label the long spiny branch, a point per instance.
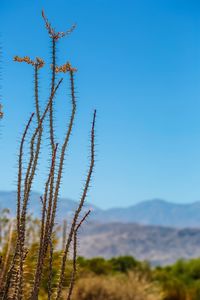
(43, 239)
(77, 213)
(74, 270)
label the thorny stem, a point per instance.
(74, 271)
(77, 213)
(37, 107)
(49, 284)
(20, 171)
(6, 287)
(64, 234)
(36, 133)
(33, 164)
(43, 241)
(50, 221)
(51, 125)
(63, 151)
(16, 252)
(73, 275)
(29, 179)
(5, 262)
(19, 193)
(18, 200)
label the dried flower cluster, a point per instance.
(65, 68)
(14, 280)
(39, 63)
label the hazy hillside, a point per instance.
(156, 212)
(153, 212)
(65, 206)
(159, 245)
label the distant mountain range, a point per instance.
(155, 230)
(159, 245)
(152, 212)
(155, 212)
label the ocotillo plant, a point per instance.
(14, 284)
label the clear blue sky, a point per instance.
(139, 66)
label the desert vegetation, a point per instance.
(96, 278)
(21, 247)
(99, 278)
